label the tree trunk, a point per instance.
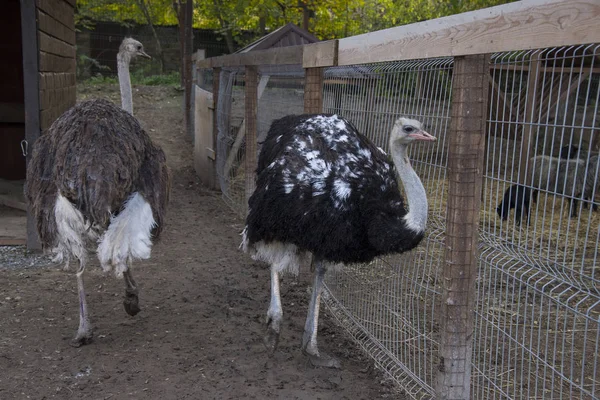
(161, 57)
(225, 27)
(187, 63)
(180, 11)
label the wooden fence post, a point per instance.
(215, 92)
(251, 102)
(313, 90)
(465, 176)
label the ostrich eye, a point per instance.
(139, 47)
(409, 129)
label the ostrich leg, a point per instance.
(274, 315)
(84, 333)
(309, 339)
(131, 294)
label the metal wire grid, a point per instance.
(230, 133)
(538, 314)
(280, 93)
(389, 305)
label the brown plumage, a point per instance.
(96, 155)
(96, 182)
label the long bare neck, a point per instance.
(125, 83)
(416, 218)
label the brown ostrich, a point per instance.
(96, 182)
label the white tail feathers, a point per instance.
(73, 232)
(128, 236)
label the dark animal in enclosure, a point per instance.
(569, 152)
(520, 198)
(96, 182)
(325, 192)
(573, 178)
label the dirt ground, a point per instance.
(199, 335)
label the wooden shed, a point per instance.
(205, 136)
(286, 35)
(38, 82)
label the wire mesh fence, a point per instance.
(539, 302)
(230, 136)
(280, 93)
(390, 305)
(537, 314)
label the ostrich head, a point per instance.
(406, 131)
(131, 48)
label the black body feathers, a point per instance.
(327, 189)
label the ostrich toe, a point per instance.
(82, 339)
(131, 302)
(271, 339)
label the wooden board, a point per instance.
(322, 54)
(279, 56)
(521, 25)
(204, 145)
(61, 10)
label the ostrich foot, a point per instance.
(82, 338)
(271, 339)
(131, 302)
(317, 358)
(324, 360)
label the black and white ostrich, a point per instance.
(324, 191)
(97, 182)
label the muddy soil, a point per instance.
(199, 335)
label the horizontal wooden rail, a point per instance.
(523, 25)
(277, 56)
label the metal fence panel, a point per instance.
(390, 305)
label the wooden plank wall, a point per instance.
(57, 62)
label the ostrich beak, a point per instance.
(422, 135)
(141, 53)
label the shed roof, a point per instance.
(286, 35)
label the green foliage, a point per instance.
(329, 18)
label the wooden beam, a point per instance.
(277, 56)
(31, 91)
(465, 176)
(188, 49)
(215, 92)
(237, 143)
(54, 28)
(321, 54)
(251, 103)
(12, 242)
(12, 202)
(58, 9)
(55, 46)
(521, 25)
(313, 90)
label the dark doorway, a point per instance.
(12, 127)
